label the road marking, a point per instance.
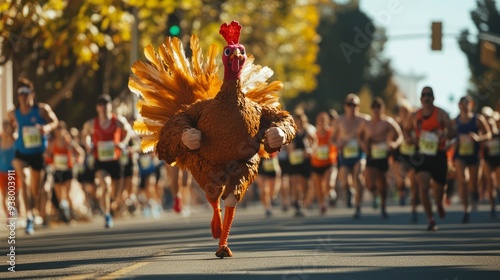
(122, 272)
(79, 276)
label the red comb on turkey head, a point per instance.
(231, 32)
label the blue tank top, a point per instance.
(30, 140)
(6, 157)
(466, 128)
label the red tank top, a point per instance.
(325, 154)
(429, 124)
(104, 140)
(62, 157)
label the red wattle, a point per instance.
(235, 65)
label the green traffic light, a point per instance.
(174, 30)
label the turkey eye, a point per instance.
(227, 52)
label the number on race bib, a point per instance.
(351, 149)
(32, 138)
(407, 149)
(493, 147)
(379, 151)
(105, 150)
(323, 152)
(428, 143)
(268, 164)
(465, 145)
(61, 162)
(296, 157)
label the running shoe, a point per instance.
(30, 226)
(432, 226)
(108, 221)
(357, 214)
(268, 213)
(177, 205)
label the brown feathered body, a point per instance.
(232, 128)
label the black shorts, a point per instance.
(493, 161)
(128, 169)
(303, 169)
(61, 176)
(34, 161)
(285, 166)
(87, 176)
(320, 170)
(436, 165)
(380, 164)
(111, 167)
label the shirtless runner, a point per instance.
(350, 153)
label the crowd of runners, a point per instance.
(420, 156)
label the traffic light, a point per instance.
(437, 36)
(487, 53)
(174, 25)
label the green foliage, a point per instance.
(76, 50)
(485, 80)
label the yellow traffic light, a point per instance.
(437, 36)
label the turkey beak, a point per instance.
(236, 57)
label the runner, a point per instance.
(472, 129)
(350, 153)
(299, 154)
(322, 160)
(269, 171)
(402, 165)
(61, 151)
(34, 121)
(103, 137)
(7, 153)
(432, 127)
(491, 167)
(378, 137)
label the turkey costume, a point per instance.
(218, 130)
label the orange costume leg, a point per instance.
(224, 250)
(216, 224)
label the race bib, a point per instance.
(145, 161)
(105, 150)
(90, 161)
(465, 145)
(296, 157)
(493, 147)
(123, 158)
(379, 151)
(269, 164)
(32, 138)
(323, 152)
(61, 162)
(407, 149)
(351, 149)
(428, 143)
(80, 168)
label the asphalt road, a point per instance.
(334, 246)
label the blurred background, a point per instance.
(320, 49)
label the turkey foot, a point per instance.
(224, 251)
(216, 224)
